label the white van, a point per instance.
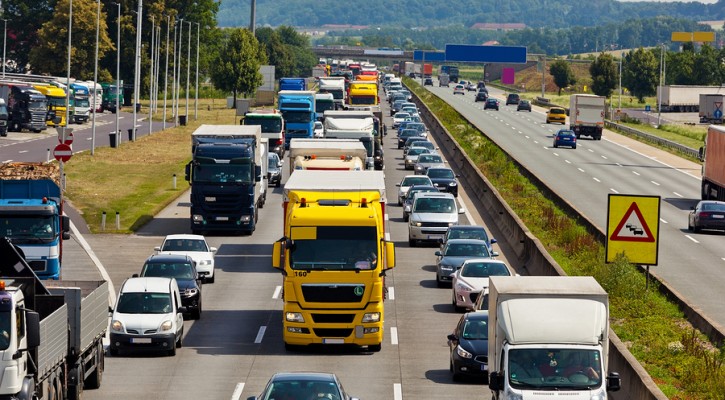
(148, 315)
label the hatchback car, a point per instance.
(399, 117)
(410, 198)
(468, 345)
(303, 385)
(469, 280)
(428, 82)
(194, 246)
(459, 89)
(432, 214)
(471, 87)
(707, 214)
(428, 161)
(491, 103)
(396, 105)
(407, 134)
(274, 169)
(512, 98)
(444, 179)
(407, 182)
(556, 114)
(566, 138)
(524, 105)
(454, 253)
(470, 232)
(181, 268)
(411, 156)
(481, 95)
(420, 143)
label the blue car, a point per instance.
(566, 138)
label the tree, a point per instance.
(605, 76)
(50, 55)
(640, 73)
(236, 68)
(278, 53)
(707, 72)
(562, 73)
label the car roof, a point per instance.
(565, 132)
(487, 260)
(293, 376)
(467, 241)
(144, 284)
(467, 227)
(439, 168)
(186, 235)
(170, 258)
(480, 315)
(433, 195)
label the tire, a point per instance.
(406, 217)
(75, 392)
(94, 380)
(453, 303)
(278, 184)
(689, 226)
(211, 280)
(291, 347)
(696, 229)
(439, 282)
(375, 348)
(556, 146)
(573, 147)
(196, 315)
(113, 351)
(411, 242)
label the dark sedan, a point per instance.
(524, 105)
(482, 95)
(707, 214)
(468, 346)
(491, 103)
(444, 179)
(183, 269)
(303, 385)
(408, 133)
(566, 138)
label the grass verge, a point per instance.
(679, 358)
(135, 180)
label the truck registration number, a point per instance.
(141, 340)
(333, 341)
(222, 218)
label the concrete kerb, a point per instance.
(636, 382)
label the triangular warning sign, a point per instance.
(633, 227)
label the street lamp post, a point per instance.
(166, 73)
(137, 68)
(118, 70)
(178, 74)
(151, 75)
(196, 90)
(188, 69)
(95, 80)
(662, 75)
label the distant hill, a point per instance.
(435, 13)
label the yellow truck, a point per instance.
(363, 93)
(333, 257)
(56, 103)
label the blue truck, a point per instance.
(31, 216)
(298, 109)
(226, 174)
(292, 84)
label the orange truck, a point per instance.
(427, 70)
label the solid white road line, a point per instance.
(238, 391)
(260, 334)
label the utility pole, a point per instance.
(166, 73)
(137, 74)
(95, 81)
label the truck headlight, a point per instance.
(462, 352)
(371, 317)
(197, 218)
(452, 184)
(116, 325)
(167, 325)
(245, 218)
(294, 317)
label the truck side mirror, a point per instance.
(495, 382)
(257, 173)
(65, 229)
(614, 382)
(701, 153)
(32, 324)
(187, 171)
(276, 254)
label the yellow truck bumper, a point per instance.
(331, 332)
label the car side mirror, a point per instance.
(157, 248)
(494, 253)
(461, 210)
(493, 241)
(214, 249)
(692, 208)
(495, 382)
(134, 276)
(452, 338)
(182, 309)
(438, 253)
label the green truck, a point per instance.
(110, 91)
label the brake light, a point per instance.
(704, 214)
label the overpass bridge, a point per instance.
(358, 53)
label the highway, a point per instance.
(691, 263)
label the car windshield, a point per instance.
(401, 115)
(430, 158)
(480, 269)
(420, 143)
(415, 180)
(467, 249)
(478, 234)
(435, 205)
(557, 111)
(441, 173)
(475, 330)
(409, 132)
(144, 303)
(415, 151)
(184, 245)
(302, 389)
(334, 248)
(183, 271)
(417, 126)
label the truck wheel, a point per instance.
(113, 351)
(15, 126)
(375, 348)
(75, 391)
(94, 380)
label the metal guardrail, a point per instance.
(654, 139)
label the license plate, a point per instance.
(222, 218)
(435, 237)
(141, 340)
(718, 216)
(566, 139)
(484, 367)
(333, 341)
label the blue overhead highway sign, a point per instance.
(486, 54)
(429, 55)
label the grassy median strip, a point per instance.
(135, 180)
(679, 359)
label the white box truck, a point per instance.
(684, 98)
(547, 336)
(712, 107)
(586, 115)
(327, 154)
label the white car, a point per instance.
(194, 246)
(319, 129)
(472, 278)
(407, 182)
(399, 117)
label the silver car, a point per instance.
(407, 182)
(427, 161)
(454, 253)
(411, 156)
(431, 216)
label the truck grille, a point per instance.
(331, 293)
(338, 333)
(333, 318)
(37, 266)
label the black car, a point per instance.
(444, 179)
(274, 170)
(482, 95)
(379, 160)
(707, 214)
(491, 103)
(183, 269)
(408, 133)
(512, 98)
(524, 105)
(468, 346)
(428, 82)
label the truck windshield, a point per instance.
(324, 105)
(297, 116)
(575, 369)
(5, 327)
(334, 248)
(144, 303)
(363, 100)
(268, 125)
(28, 228)
(223, 173)
(38, 105)
(82, 102)
(3, 112)
(369, 148)
(56, 101)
